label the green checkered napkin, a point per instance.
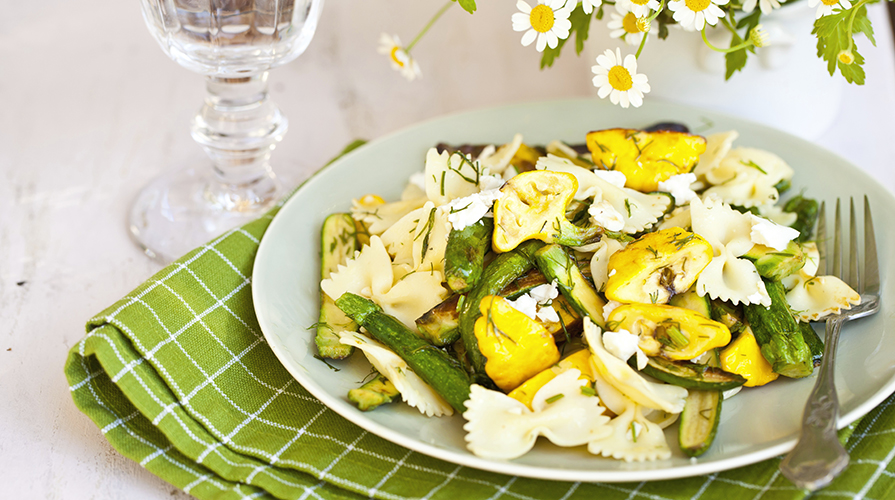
(179, 378)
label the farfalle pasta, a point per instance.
(727, 277)
(538, 294)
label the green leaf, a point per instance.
(736, 60)
(862, 25)
(580, 28)
(468, 5)
(833, 38)
(749, 21)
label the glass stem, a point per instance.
(238, 127)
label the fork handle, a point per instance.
(818, 456)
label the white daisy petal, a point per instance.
(529, 37)
(542, 42)
(523, 7)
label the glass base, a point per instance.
(181, 210)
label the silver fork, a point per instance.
(818, 457)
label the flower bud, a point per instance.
(643, 24)
(758, 36)
(846, 57)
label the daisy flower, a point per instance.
(619, 81)
(640, 8)
(400, 58)
(766, 6)
(623, 24)
(825, 7)
(548, 21)
(694, 14)
(589, 5)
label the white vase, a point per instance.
(784, 85)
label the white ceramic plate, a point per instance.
(757, 424)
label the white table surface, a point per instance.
(92, 110)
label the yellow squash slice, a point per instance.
(516, 347)
(657, 266)
(646, 158)
(673, 332)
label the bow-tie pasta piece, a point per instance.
(370, 274)
(727, 277)
(451, 175)
(378, 216)
(811, 298)
(748, 177)
(498, 162)
(413, 389)
(669, 398)
(500, 427)
(418, 241)
(636, 210)
(634, 437)
(716, 148)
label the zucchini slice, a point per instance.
(338, 242)
(435, 366)
(778, 334)
(692, 375)
(699, 421)
(374, 393)
(814, 343)
(558, 265)
(464, 256)
(692, 301)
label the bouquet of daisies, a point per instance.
(549, 24)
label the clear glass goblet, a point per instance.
(233, 43)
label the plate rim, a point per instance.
(350, 413)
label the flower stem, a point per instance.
(640, 49)
(735, 48)
(427, 26)
(650, 19)
(851, 22)
(658, 11)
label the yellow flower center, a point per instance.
(643, 24)
(846, 57)
(629, 23)
(395, 56)
(542, 18)
(830, 2)
(620, 78)
(642, 2)
(700, 5)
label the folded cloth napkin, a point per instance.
(179, 378)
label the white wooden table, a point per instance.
(92, 110)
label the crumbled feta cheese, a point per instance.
(418, 179)
(604, 214)
(525, 304)
(535, 303)
(611, 273)
(755, 298)
(624, 344)
(679, 187)
(545, 293)
(608, 308)
(490, 182)
(613, 177)
(547, 313)
(466, 211)
(765, 232)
